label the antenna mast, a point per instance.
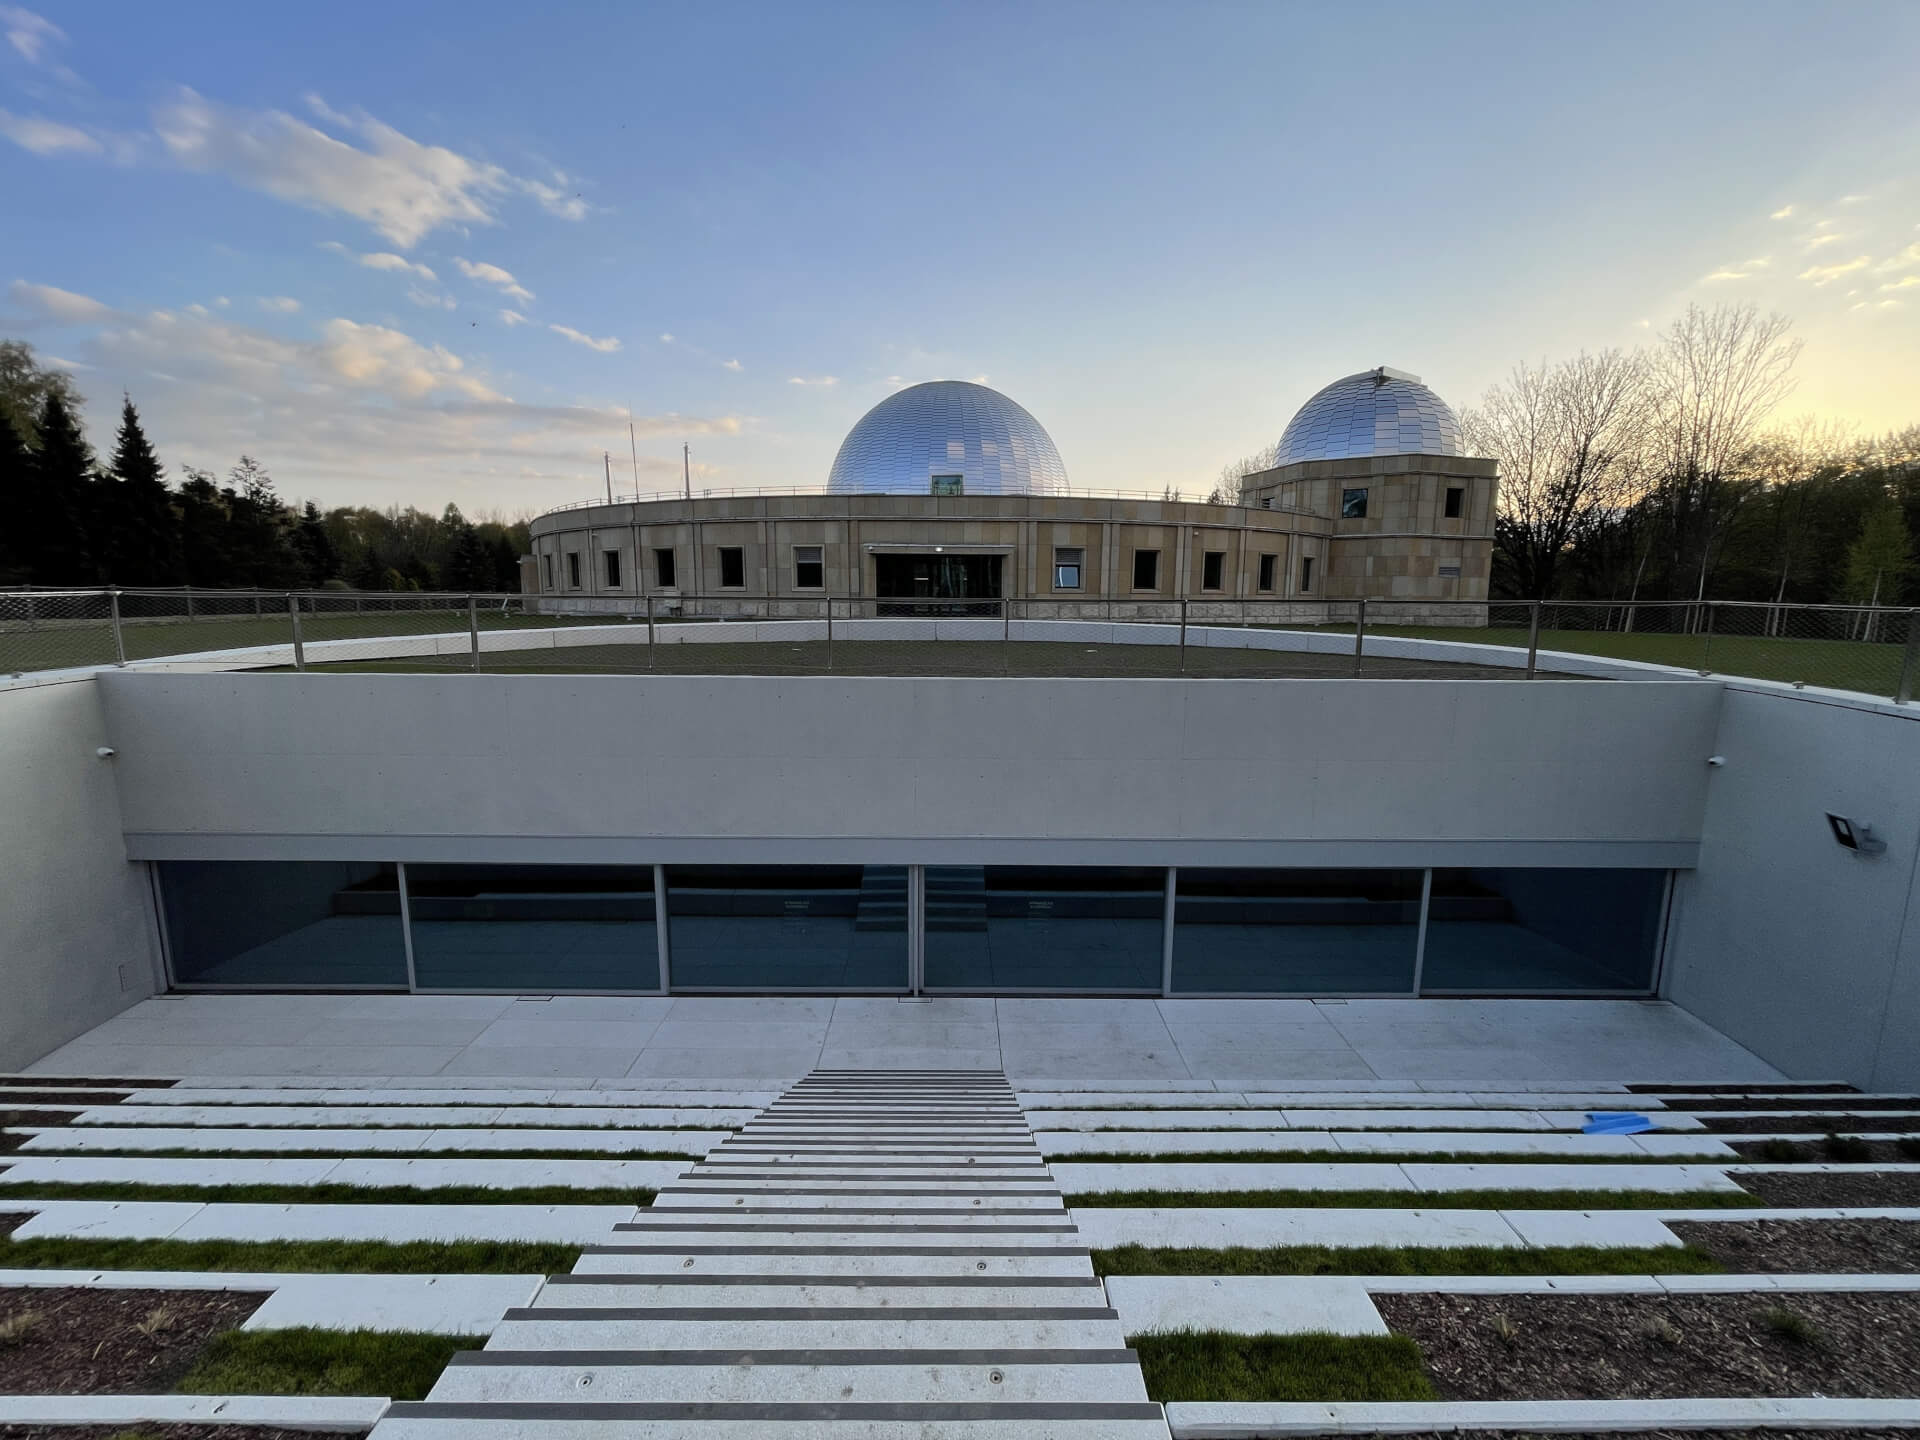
(633, 446)
(686, 468)
(607, 464)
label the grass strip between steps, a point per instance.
(308, 1360)
(1407, 1260)
(323, 1194)
(1217, 1367)
(1355, 1157)
(1413, 1200)
(240, 1152)
(306, 1257)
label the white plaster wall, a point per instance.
(1807, 954)
(75, 924)
(250, 765)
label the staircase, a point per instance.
(876, 1254)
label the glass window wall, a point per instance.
(1296, 932)
(1517, 931)
(1029, 927)
(276, 923)
(533, 927)
(788, 927)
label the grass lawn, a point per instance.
(326, 1194)
(1406, 1260)
(399, 1364)
(307, 1257)
(1213, 1366)
(1412, 1200)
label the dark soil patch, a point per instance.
(111, 1342)
(1808, 1247)
(1852, 1104)
(228, 1432)
(11, 1223)
(1833, 1150)
(1637, 1435)
(10, 1141)
(1756, 1089)
(1888, 1124)
(1621, 1347)
(81, 1082)
(36, 1117)
(1865, 1188)
(64, 1097)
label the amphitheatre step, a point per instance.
(874, 1253)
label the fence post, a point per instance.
(119, 641)
(1359, 633)
(1533, 639)
(473, 628)
(299, 646)
(189, 590)
(1706, 637)
(1909, 659)
(1006, 635)
(829, 634)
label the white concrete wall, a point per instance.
(75, 930)
(701, 767)
(1801, 951)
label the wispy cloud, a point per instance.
(554, 198)
(381, 260)
(1741, 270)
(816, 380)
(1907, 282)
(402, 188)
(50, 302)
(580, 337)
(1827, 274)
(481, 273)
(30, 34)
(46, 137)
(1830, 237)
(430, 299)
(513, 318)
(1785, 212)
(1906, 259)
(733, 365)
(666, 339)
(280, 304)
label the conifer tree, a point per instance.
(59, 488)
(13, 502)
(142, 529)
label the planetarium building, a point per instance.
(950, 494)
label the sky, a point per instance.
(432, 253)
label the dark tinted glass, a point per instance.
(1213, 570)
(533, 927)
(733, 567)
(274, 923)
(788, 927)
(1501, 931)
(1455, 498)
(1307, 932)
(1267, 563)
(1146, 569)
(1020, 927)
(663, 568)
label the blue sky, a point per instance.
(420, 253)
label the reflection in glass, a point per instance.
(1535, 930)
(533, 927)
(788, 927)
(283, 922)
(1027, 927)
(1288, 932)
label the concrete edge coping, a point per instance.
(261, 1280)
(1546, 1284)
(1856, 1212)
(288, 1412)
(1198, 1420)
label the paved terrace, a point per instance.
(1041, 1044)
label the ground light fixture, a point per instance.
(1855, 835)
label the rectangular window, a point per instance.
(1449, 572)
(1295, 932)
(1034, 927)
(663, 569)
(1213, 570)
(573, 569)
(809, 567)
(949, 485)
(1353, 504)
(284, 922)
(546, 572)
(1266, 502)
(1306, 574)
(1146, 569)
(1066, 567)
(1456, 501)
(533, 927)
(612, 558)
(787, 927)
(1268, 564)
(1512, 931)
(733, 568)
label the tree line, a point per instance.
(69, 518)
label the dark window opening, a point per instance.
(1306, 573)
(949, 485)
(573, 569)
(1268, 564)
(1353, 504)
(546, 572)
(1456, 501)
(613, 569)
(733, 567)
(809, 567)
(1146, 569)
(663, 569)
(1213, 570)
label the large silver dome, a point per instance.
(946, 428)
(1377, 412)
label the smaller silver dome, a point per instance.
(1377, 412)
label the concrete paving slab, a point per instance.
(794, 1377)
(819, 1261)
(508, 1174)
(746, 1293)
(1592, 1227)
(436, 1304)
(1547, 1176)
(1244, 1304)
(320, 1414)
(1208, 1177)
(1224, 1227)
(725, 1330)
(1192, 1420)
(142, 1170)
(561, 1224)
(114, 1219)
(1179, 1142)
(159, 1137)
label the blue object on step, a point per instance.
(1615, 1122)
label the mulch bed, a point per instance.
(1808, 1247)
(1753, 1088)
(1849, 1103)
(1877, 1124)
(1641, 1347)
(1819, 1152)
(90, 1341)
(254, 1432)
(1615, 1435)
(81, 1082)
(1865, 1188)
(37, 1117)
(9, 1141)
(10, 1223)
(64, 1097)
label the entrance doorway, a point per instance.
(937, 577)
